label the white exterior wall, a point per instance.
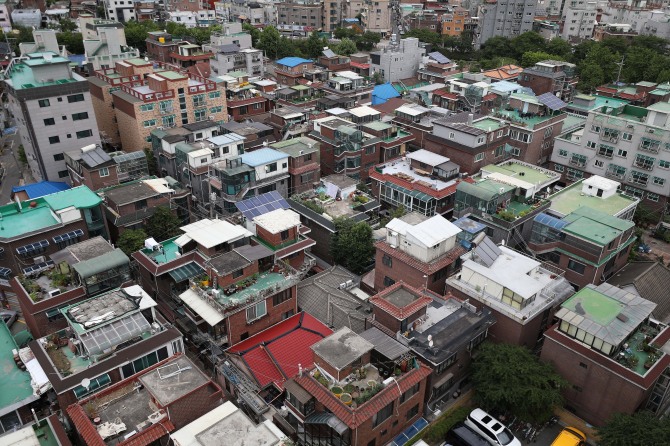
(282, 169)
(580, 18)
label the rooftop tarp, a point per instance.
(475, 191)
(382, 93)
(187, 271)
(103, 263)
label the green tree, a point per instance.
(67, 26)
(509, 378)
(654, 43)
(368, 41)
(131, 240)
(590, 76)
(351, 245)
(270, 41)
(528, 41)
(255, 33)
(314, 45)
(530, 58)
(151, 162)
(639, 429)
(21, 154)
(346, 47)
(73, 42)
(341, 33)
(136, 33)
(424, 35)
(616, 45)
(560, 47)
(497, 47)
(163, 224)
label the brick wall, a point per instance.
(238, 325)
(276, 239)
(400, 271)
(104, 112)
(195, 404)
(227, 280)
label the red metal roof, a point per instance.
(359, 415)
(380, 301)
(445, 94)
(425, 268)
(150, 435)
(362, 66)
(83, 424)
(274, 354)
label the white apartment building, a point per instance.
(628, 144)
(579, 17)
(506, 18)
(397, 61)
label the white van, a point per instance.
(491, 429)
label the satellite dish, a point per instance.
(430, 343)
(85, 383)
(430, 338)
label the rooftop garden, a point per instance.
(41, 286)
(518, 207)
(320, 202)
(639, 353)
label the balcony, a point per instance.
(639, 353)
(619, 175)
(654, 147)
(643, 165)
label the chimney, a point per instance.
(470, 116)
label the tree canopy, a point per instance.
(131, 240)
(352, 246)
(509, 378)
(163, 224)
(346, 47)
(639, 429)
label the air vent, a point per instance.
(622, 317)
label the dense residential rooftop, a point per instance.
(571, 198)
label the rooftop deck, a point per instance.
(526, 172)
(30, 219)
(165, 255)
(514, 116)
(487, 124)
(16, 387)
(400, 168)
(569, 199)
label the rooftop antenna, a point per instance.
(620, 64)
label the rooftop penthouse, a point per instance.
(595, 192)
(46, 69)
(510, 282)
(615, 323)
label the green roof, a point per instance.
(595, 226)
(167, 254)
(660, 106)
(16, 388)
(594, 306)
(80, 197)
(300, 87)
(571, 198)
(531, 99)
(484, 190)
(524, 172)
(104, 262)
(296, 146)
(377, 125)
(172, 75)
(487, 124)
(136, 61)
(237, 74)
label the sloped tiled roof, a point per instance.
(426, 268)
(274, 354)
(399, 313)
(650, 280)
(355, 417)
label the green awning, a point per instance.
(96, 383)
(412, 193)
(105, 262)
(187, 271)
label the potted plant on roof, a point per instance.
(346, 399)
(337, 391)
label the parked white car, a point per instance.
(491, 429)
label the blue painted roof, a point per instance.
(506, 86)
(77, 59)
(382, 93)
(262, 156)
(468, 225)
(292, 61)
(36, 190)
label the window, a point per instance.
(75, 98)
(651, 197)
(414, 411)
(388, 281)
(658, 181)
(256, 311)
(599, 163)
(59, 157)
(215, 94)
(595, 128)
(149, 123)
(591, 144)
(634, 191)
(140, 204)
(79, 116)
(200, 114)
(500, 151)
(558, 168)
(238, 273)
(382, 415)
(578, 160)
(563, 153)
(627, 136)
(639, 177)
(582, 365)
(144, 362)
(474, 342)
(644, 162)
(63, 174)
(663, 164)
(54, 139)
(577, 267)
(44, 103)
(369, 150)
(284, 235)
(271, 167)
(616, 171)
(605, 151)
(84, 134)
(104, 172)
(281, 297)
(574, 174)
(409, 393)
(479, 157)
(622, 153)
(50, 121)
(387, 260)
(146, 107)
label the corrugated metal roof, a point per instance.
(262, 156)
(384, 344)
(36, 190)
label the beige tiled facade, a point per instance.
(133, 99)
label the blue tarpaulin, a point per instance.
(382, 93)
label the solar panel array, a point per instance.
(439, 57)
(38, 268)
(487, 252)
(551, 101)
(27, 249)
(101, 339)
(5, 272)
(328, 53)
(95, 157)
(69, 236)
(262, 204)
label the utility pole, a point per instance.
(620, 64)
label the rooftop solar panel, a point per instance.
(551, 101)
(487, 252)
(439, 57)
(262, 204)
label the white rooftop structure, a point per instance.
(426, 157)
(349, 75)
(412, 110)
(363, 111)
(201, 307)
(428, 233)
(210, 233)
(599, 186)
(227, 424)
(278, 220)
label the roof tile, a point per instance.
(426, 268)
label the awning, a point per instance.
(96, 383)
(412, 193)
(187, 271)
(327, 419)
(182, 240)
(201, 307)
(254, 252)
(103, 263)
(410, 432)
(297, 391)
